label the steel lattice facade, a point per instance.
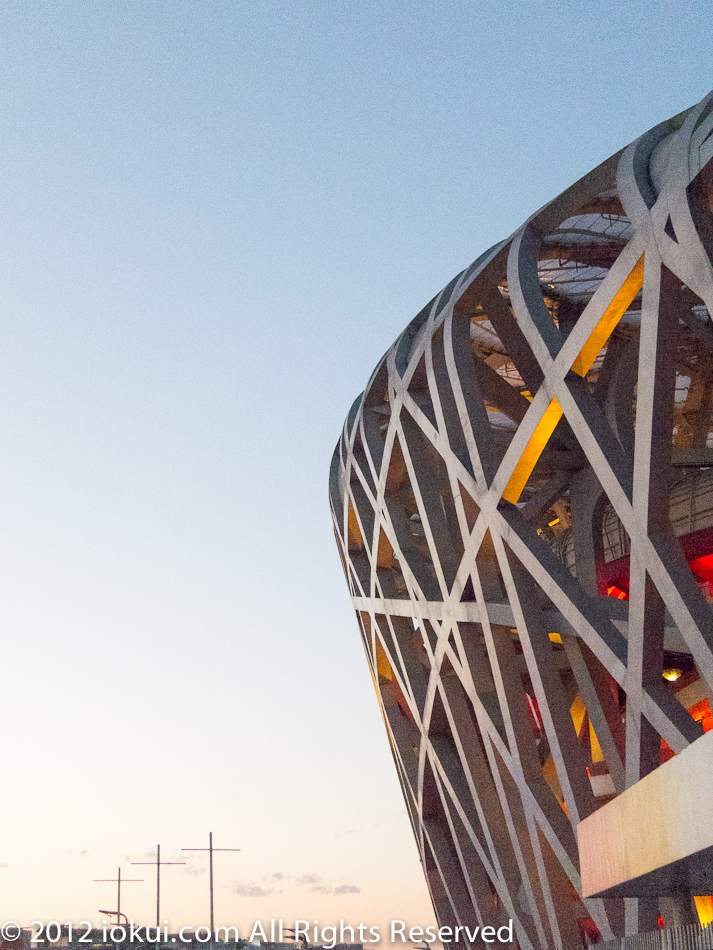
(523, 502)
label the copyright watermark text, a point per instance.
(301, 931)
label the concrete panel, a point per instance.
(657, 836)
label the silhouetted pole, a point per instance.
(211, 849)
(158, 862)
(117, 879)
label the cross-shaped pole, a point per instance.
(211, 849)
(117, 880)
(158, 862)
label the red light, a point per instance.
(617, 592)
(705, 563)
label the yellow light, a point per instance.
(672, 675)
(578, 711)
(533, 450)
(555, 637)
(704, 906)
(551, 524)
(609, 319)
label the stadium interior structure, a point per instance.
(523, 502)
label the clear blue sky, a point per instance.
(214, 218)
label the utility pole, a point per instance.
(158, 862)
(211, 849)
(117, 880)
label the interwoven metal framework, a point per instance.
(522, 501)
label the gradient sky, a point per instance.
(214, 218)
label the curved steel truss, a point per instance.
(522, 502)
